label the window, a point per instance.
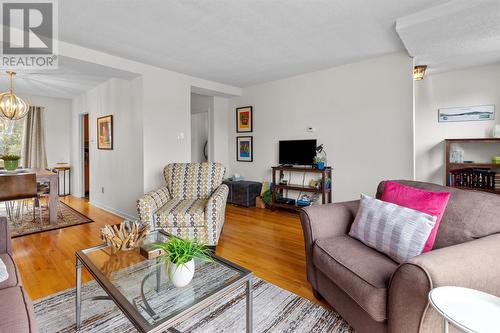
(11, 136)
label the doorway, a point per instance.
(200, 127)
(86, 156)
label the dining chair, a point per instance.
(43, 189)
(15, 187)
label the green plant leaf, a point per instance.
(180, 251)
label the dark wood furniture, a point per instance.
(458, 166)
(324, 190)
(17, 186)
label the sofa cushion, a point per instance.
(360, 271)
(181, 213)
(16, 311)
(13, 279)
(397, 231)
(429, 202)
(469, 214)
(4, 274)
(193, 180)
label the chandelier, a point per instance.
(11, 106)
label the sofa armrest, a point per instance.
(215, 212)
(325, 221)
(150, 203)
(472, 264)
(5, 242)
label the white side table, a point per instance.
(469, 310)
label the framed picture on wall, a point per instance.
(466, 113)
(244, 119)
(244, 149)
(105, 132)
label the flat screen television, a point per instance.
(297, 152)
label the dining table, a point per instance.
(45, 176)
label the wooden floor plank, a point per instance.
(268, 243)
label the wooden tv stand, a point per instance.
(326, 193)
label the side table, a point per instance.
(468, 310)
(243, 193)
(65, 170)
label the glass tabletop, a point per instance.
(141, 286)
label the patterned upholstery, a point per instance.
(182, 213)
(191, 205)
(193, 180)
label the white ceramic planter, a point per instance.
(180, 276)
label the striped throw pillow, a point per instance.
(397, 231)
(4, 274)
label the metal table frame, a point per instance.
(141, 324)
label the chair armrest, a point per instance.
(214, 213)
(472, 264)
(5, 242)
(150, 203)
(325, 221)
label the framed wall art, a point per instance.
(105, 132)
(244, 119)
(467, 113)
(244, 149)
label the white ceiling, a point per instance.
(72, 78)
(457, 34)
(238, 42)
(245, 42)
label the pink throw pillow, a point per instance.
(432, 203)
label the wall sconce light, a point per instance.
(419, 72)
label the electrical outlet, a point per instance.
(102, 189)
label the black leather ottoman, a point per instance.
(243, 193)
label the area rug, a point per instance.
(66, 217)
(275, 310)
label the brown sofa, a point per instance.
(16, 310)
(374, 293)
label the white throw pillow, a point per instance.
(397, 231)
(4, 275)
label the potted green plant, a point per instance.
(180, 254)
(11, 162)
(319, 161)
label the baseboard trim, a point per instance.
(113, 211)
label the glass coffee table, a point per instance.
(141, 289)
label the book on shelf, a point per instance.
(475, 178)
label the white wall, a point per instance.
(57, 127)
(160, 103)
(162, 97)
(201, 106)
(473, 86)
(362, 113)
(221, 128)
(199, 136)
(116, 176)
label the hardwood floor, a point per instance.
(268, 243)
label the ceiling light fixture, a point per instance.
(11, 106)
(419, 72)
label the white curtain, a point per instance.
(33, 152)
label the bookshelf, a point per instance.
(323, 190)
(455, 167)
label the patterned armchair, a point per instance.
(191, 205)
